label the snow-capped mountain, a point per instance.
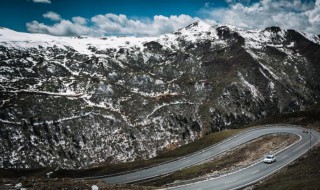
(79, 101)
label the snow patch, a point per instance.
(291, 44)
(94, 187)
(315, 39)
(256, 94)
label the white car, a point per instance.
(269, 159)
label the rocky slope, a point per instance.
(76, 102)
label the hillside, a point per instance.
(77, 102)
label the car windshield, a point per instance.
(269, 157)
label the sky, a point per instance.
(153, 17)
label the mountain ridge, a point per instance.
(75, 102)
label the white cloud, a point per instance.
(314, 18)
(79, 20)
(63, 28)
(42, 1)
(52, 16)
(111, 24)
(291, 14)
(122, 25)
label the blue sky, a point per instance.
(153, 17)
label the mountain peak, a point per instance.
(274, 29)
(197, 26)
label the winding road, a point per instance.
(240, 178)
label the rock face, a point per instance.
(76, 102)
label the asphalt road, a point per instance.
(238, 179)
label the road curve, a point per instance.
(238, 179)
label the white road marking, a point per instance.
(163, 169)
(133, 176)
(303, 144)
(231, 181)
(298, 147)
(284, 156)
(255, 172)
